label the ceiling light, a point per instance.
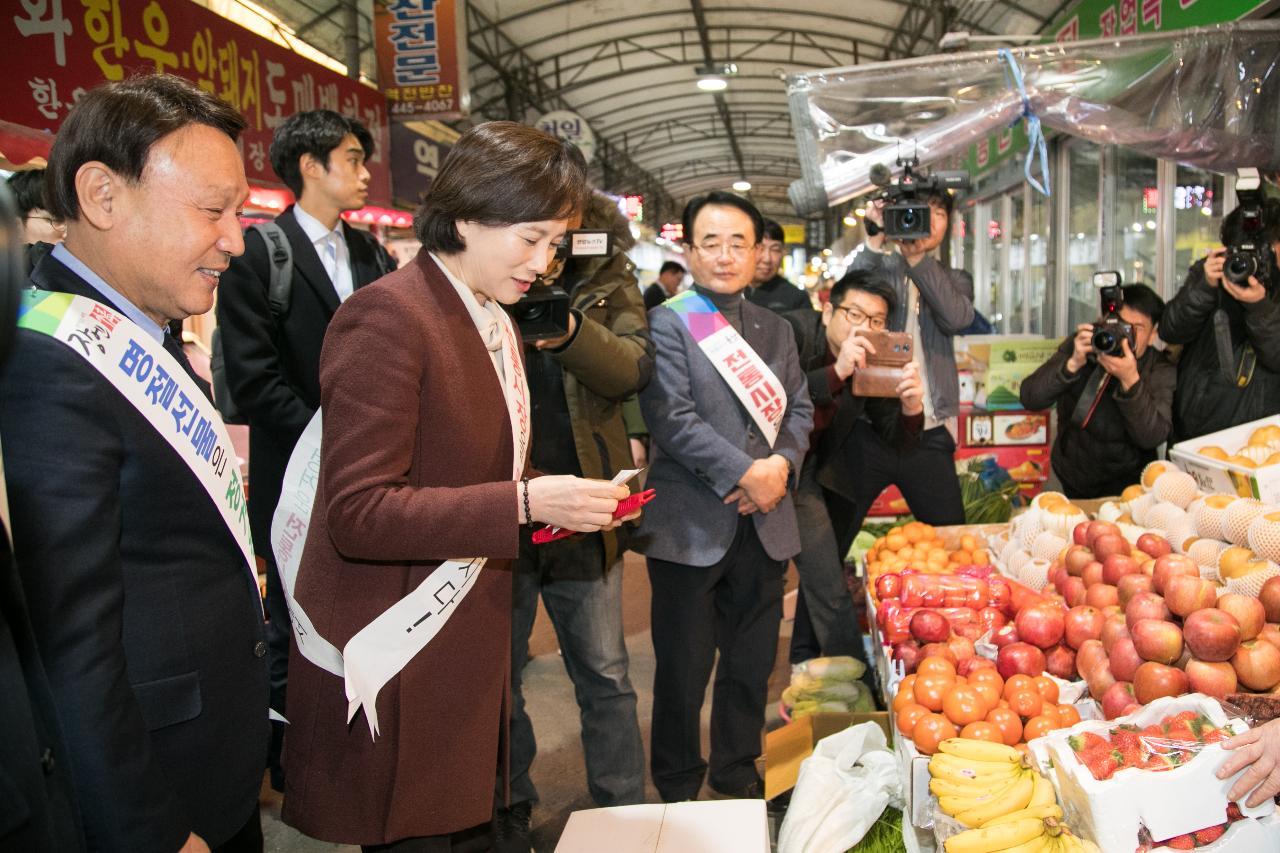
(850, 221)
(712, 84)
(741, 186)
(711, 78)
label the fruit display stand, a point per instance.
(1174, 802)
(1242, 460)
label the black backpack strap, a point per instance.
(280, 285)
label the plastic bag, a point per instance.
(842, 790)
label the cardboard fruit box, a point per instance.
(1215, 475)
(1168, 803)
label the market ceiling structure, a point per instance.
(629, 67)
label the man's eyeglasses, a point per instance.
(56, 223)
(857, 318)
(714, 248)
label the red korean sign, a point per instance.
(421, 58)
(57, 49)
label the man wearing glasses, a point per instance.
(729, 416)
(835, 490)
(768, 289)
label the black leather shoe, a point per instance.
(511, 829)
(751, 791)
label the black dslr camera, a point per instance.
(543, 312)
(1109, 330)
(906, 208)
(1250, 255)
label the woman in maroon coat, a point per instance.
(425, 434)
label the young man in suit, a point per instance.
(136, 564)
(273, 363)
(670, 277)
(729, 416)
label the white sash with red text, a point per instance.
(378, 652)
(746, 373)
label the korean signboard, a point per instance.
(420, 148)
(57, 49)
(571, 128)
(422, 64)
(1107, 18)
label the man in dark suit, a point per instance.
(273, 363)
(137, 571)
(768, 289)
(830, 504)
(670, 277)
(728, 438)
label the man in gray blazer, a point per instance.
(719, 534)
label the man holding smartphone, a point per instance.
(835, 491)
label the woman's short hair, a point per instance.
(500, 173)
(118, 123)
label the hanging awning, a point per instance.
(23, 148)
(1207, 97)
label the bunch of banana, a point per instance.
(1020, 835)
(977, 782)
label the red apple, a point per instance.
(1212, 634)
(1157, 640)
(1077, 557)
(971, 631)
(1118, 697)
(1073, 591)
(1117, 566)
(1145, 605)
(1109, 543)
(1131, 585)
(1041, 624)
(887, 610)
(991, 619)
(1101, 595)
(1125, 659)
(968, 666)
(1170, 565)
(1113, 629)
(1089, 656)
(1080, 533)
(1155, 680)
(1270, 598)
(1270, 633)
(1185, 595)
(1154, 545)
(1100, 680)
(1061, 661)
(1092, 574)
(1021, 658)
(1004, 636)
(930, 626)
(938, 650)
(1247, 610)
(908, 653)
(1100, 528)
(1083, 623)
(1058, 576)
(1257, 665)
(962, 647)
(888, 585)
(1215, 679)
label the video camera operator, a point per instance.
(834, 492)
(1228, 321)
(577, 382)
(1107, 432)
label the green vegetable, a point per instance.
(884, 836)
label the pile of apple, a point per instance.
(1141, 623)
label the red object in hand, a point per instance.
(626, 506)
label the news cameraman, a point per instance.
(577, 382)
(1107, 434)
(1229, 370)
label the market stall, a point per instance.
(1065, 681)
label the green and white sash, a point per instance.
(741, 367)
(377, 653)
(155, 384)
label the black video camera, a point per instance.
(1109, 330)
(906, 208)
(1250, 255)
(543, 312)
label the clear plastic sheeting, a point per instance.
(1207, 97)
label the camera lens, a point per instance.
(1105, 342)
(1239, 266)
(908, 218)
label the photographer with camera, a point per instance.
(1114, 393)
(833, 494)
(1227, 317)
(577, 381)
